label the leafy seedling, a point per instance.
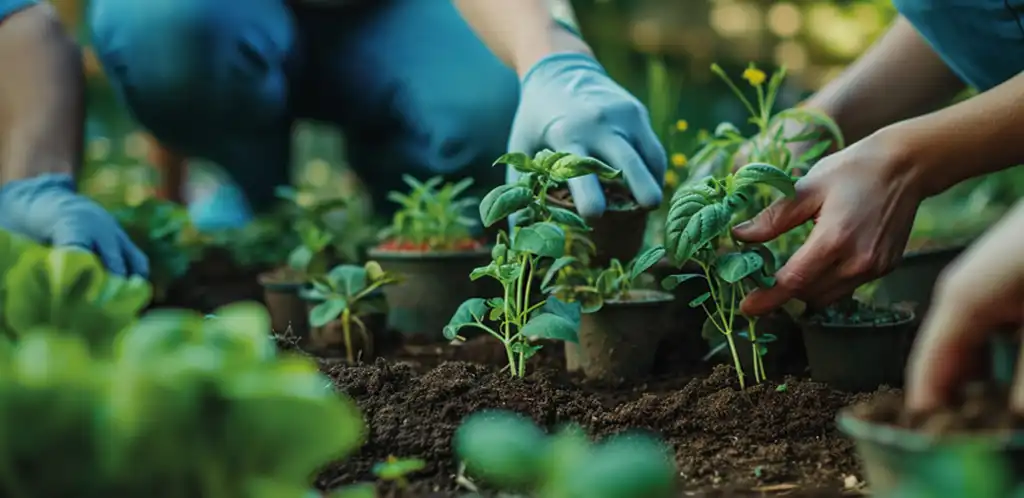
(431, 218)
(162, 230)
(346, 293)
(569, 281)
(396, 470)
(537, 238)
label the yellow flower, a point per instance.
(754, 75)
(671, 178)
(682, 125)
(678, 160)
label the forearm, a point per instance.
(977, 136)
(900, 77)
(41, 96)
(520, 32)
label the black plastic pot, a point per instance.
(858, 357)
(433, 286)
(620, 341)
(682, 343)
(900, 462)
(328, 340)
(285, 306)
(619, 232)
(913, 280)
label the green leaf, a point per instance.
(498, 253)
(645, 260)
(518, 160)
(685, 203)
(392, 470)
(550, 326)
(501, 202)
(607, 283)
(348, 280)
(735, 266)
(573, 166)
(726, 130)
(547, 158)
(543, 239)
(812, 154)
(503, 273)
(470, 312)
(502, 448)
(626, 466)
(564, 309)
(765, 174)
(699, 300)
(814, 117)
(555, 267)
(704, 226)
(568, 218)
(670, 282)
(327, 311)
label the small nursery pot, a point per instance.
(619, 232)
(434, 284)
(285, 306)
(682, 342)
(858, 357)
(329, 341)
(913, 280)
(898, 460)
(620, 341)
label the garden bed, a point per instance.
(767, 439)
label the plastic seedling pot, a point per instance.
(913, 280)
(620, 341)
(329, 340)
(286, 308)
(619, 232)
(858, 357)
(902, 462)
(434, 284)
(682, 341)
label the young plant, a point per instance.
(571, 282)
(700, 217)
(508, 451)
(396, 469)
(163, 232)
(537, 237)
(349, 292)
(432, 218)
(307, 215)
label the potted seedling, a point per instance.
(348, 302)
(310, 258)
(621, 325)
(537, 239)
(508, 451)
(849, 334)
(430, 243)
(619, 232)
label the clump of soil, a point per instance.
(769, 435)
(980, 407)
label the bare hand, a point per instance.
(982, 291)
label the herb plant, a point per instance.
(432, 218)
(537, 237)
(508, 451)
(570, 282)
(348, 292)
(699, 217)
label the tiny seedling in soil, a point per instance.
(570, 282)
(396, 470)
(431, 218)
(700, 217)
(346, 293)
(537, 237)
(508, 451)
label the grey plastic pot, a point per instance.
(858, 357)
(900, 462)
(913, 280)
(619, 341)
(433, 286)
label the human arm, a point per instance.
(864, 198)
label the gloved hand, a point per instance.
(49, 210)
(569, 104)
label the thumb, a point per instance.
(780, 217)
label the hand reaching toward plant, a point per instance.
(982, 291)
(863, 206)
(570, 104)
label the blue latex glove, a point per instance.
(569, 104)
(49, 210)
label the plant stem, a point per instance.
(346, 332)
(507, 330)
(736, 360)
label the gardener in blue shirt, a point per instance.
(408, 81)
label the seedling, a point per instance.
(396, 469)
(570, 282)
(431, 218)
(508, 451)
(346, 293)
(163, 232)
(699, 217)
(537, 237)
(307, 214)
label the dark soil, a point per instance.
(981, 407)
(768, 439)
(617, 197)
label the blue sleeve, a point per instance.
(8, 7)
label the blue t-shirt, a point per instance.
(8, 7)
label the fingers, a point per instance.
(803, 270)
(653, 154)
(780, 217)
(586, 191)
(643, 183)
(104, 246)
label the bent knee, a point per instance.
(205, 58)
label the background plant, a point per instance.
(346, 293)
(431, 217)
(537, 237)
(569, 281)
(700, 217)
(163, 231)
(307, 215)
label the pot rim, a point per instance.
(915, 441)
(265, 280)
(909, 320)
(654, 298)
(304, 294)
(390, 254)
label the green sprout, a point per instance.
(346, 293)
(508, 451)
(431, 218)
(537, 238)
(700, 217)
(311, 257)
(396, 469)
(569, 281)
